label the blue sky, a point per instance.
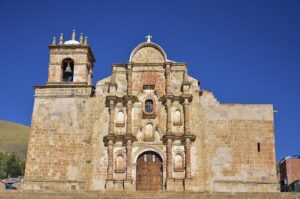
(243, 51)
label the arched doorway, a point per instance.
(149, 172)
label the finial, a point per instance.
(85, 40)
(61, 39)
(73, 35)
(148, 37)
(81, 38)
(54, 41)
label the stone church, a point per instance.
(147, 127)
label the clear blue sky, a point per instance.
(242, 51)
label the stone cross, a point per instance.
(148, 37)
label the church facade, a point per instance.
(147, 127)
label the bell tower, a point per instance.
(71, 62)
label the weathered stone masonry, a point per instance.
(90, 138)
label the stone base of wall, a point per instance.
(239, 186)
(145, 195)
(61, 186)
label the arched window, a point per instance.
(149, 106)
(67, 70)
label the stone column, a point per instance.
(169, 158)
(168, 85)
(186, 106)
(169, 119)
(129, 79)
(188, 170)
(110, 160)
(129, 117)
(110, 156)
(188, 137)
(128, 180)
(128, 154)
(170, 180)
(188, 158)
(111, 117)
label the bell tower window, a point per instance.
(67, 70)
(149, 106)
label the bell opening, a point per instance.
(68, 70)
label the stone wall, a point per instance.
(237, 150)
(66, 151)
(147, 195)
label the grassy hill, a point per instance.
(14, 138)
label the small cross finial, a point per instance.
(81, 38)
(148, 37)
(73, 34)
(54, 41)
(85, 41)
(61, 39)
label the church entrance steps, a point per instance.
(144, 195)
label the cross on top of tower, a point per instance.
(148, 37)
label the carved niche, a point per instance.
(177, 117)
(120, 119)
(149, 132)
(120, 163)
(178, 161)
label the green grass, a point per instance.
(14, 138)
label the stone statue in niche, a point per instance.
(178, 162)
(120, 119)
(149, 132)
(120, 164)
(177, 118)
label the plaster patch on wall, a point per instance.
(194, 162)
(72, 172)
(222, 160)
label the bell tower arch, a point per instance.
(71, 62)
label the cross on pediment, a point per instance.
(148, 37)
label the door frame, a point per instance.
(158, 152)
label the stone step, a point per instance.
(144, 195)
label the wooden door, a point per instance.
(149, 174)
